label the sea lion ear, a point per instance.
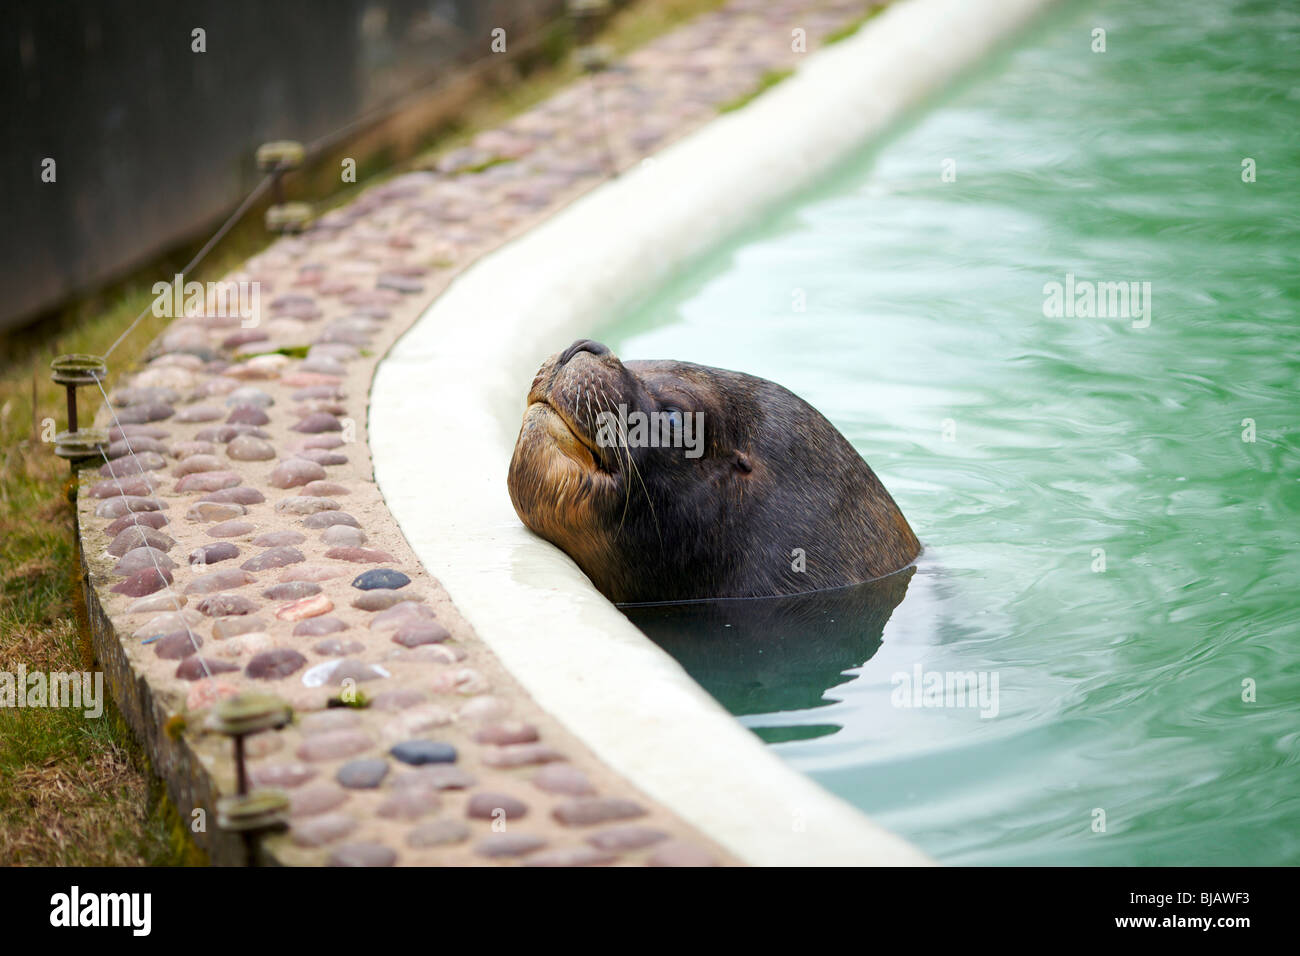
(740, 461)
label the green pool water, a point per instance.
(1026, 445)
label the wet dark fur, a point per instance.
(650, 524)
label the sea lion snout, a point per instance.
(583, 345)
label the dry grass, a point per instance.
(73, 791)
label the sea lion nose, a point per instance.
(582, 345)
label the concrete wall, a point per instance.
(153, 142)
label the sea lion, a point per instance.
(749, 491)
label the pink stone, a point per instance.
(248, 415)
(341, 535)
(135, 485)
(318, 422)
(239, 495)
(563, 778)
(143, 582)
(138, 444)
(334, 745)
(223, 580)
(126, 504)
(185, 449)
(232, 529)
(242, 337)
(197, 463)
(318, 627)
(521, 755)
(139, 537)
(506, 732)
(273, 558)
(320, 455)
(287, 775)
(167, 601)
(418, 633)
(295, 472)
(249, 448)
(135, 464)
(315, 800)
(209, 481)
(400, 615)
(214, 511)
(583, 811)
(150, 519)
(306, 607)
(275, 664)
(195, 667)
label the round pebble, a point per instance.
(250, 448)
(274, 558)
(417, 752)
(318, 627)
(486, 805)
(206, 554)
(291, 591)
(275, 664)
(362, 774)
(380, 578)
(342, 535)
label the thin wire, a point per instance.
(199, 256)
(193, 641)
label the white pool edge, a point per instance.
(446, 404)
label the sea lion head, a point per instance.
(670, 481)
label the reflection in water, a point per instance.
(769, 655)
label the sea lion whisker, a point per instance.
(622, 427)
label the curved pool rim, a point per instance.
(447, 400)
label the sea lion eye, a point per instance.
(674, 416)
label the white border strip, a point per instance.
(447, 403)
